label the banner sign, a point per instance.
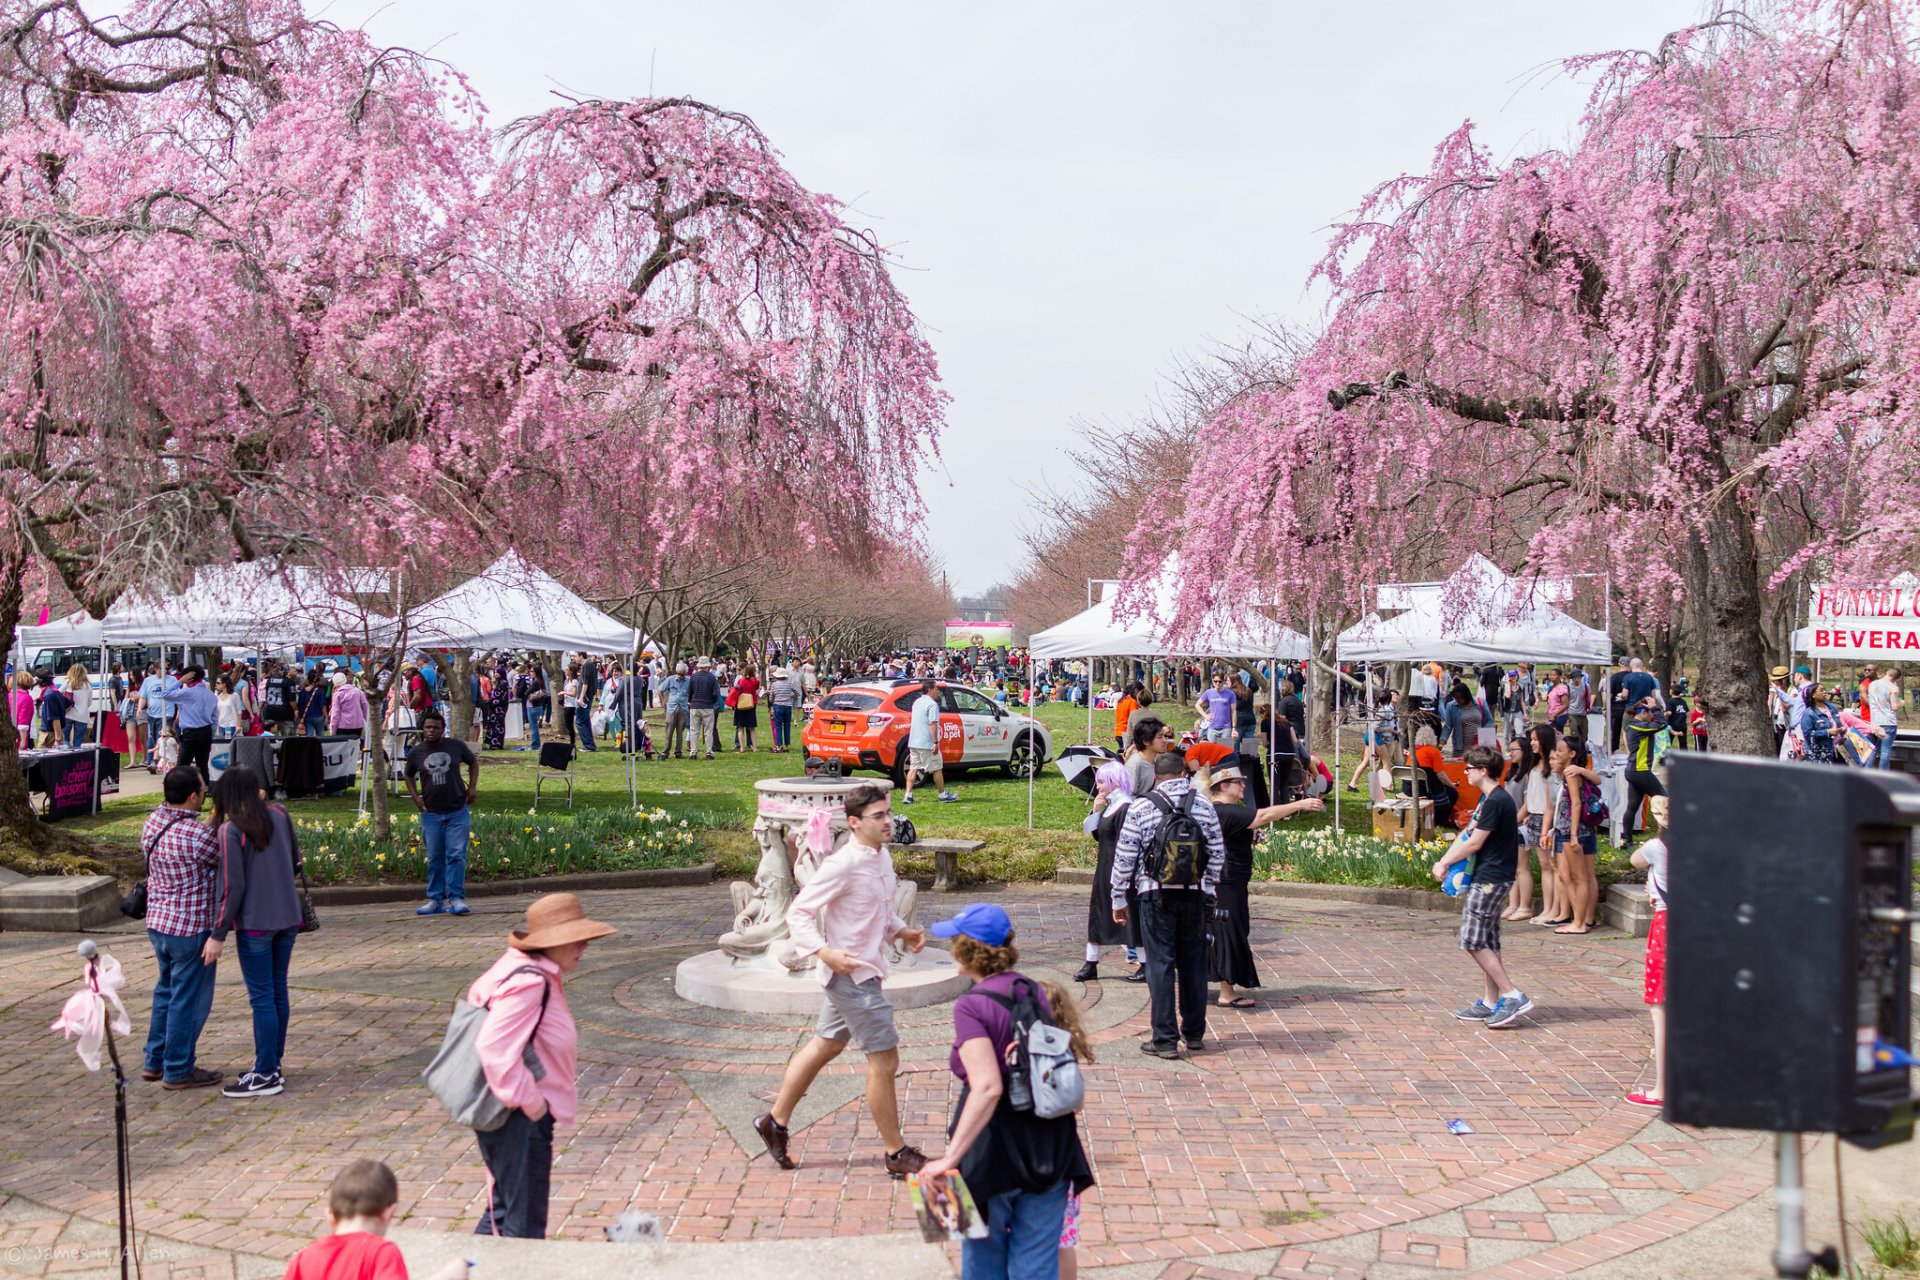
(70, 779)
(962, 634)
(1865, 622)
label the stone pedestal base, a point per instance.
(715, 979)
(60, 904)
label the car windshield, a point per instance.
(849, 701)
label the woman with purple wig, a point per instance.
(1113, 791)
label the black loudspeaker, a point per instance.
(1789, 889)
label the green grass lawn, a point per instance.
(716, 797)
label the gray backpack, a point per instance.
(455, 1075)
(1043, 1076)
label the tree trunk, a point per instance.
(1723, 586)
(459, 689)
(25, 841)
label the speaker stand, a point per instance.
(1790, 1256)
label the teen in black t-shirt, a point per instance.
(1493, 841)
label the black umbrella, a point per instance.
(1078, 765)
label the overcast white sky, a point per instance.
(1079, 193)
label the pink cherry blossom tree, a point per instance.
(1682, 349)
(277, 292)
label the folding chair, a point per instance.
(556, 766)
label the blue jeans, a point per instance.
(1883, 758)
(182, 996)
(446, 835)
(533, 713)
(782, 726)
(1023, 1237)
(153, 735)
(263, 963)
(583, 728)
(75, 732)
(519, 1159)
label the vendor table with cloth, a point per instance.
(73, 781)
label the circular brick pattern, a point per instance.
(1309, 1135)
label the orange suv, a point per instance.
(864, 726)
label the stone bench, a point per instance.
(1628, 909)
(60, 904)
(946, 859)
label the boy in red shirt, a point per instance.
(360, 1206)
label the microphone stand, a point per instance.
(123, 1160)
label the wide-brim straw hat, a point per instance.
(554, 920)
(1779, 673)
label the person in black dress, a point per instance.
(1113, 791)
(1231, 960)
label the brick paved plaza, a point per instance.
(1309, 1139)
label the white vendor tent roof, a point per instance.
(514, 604)
(1477, 614)
(236, 604)
(75, 631)
(1101, 632)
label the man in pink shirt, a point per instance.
(844, 918)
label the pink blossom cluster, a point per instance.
(1684, 349)
(274, 290)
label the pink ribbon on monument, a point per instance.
(85, 1014)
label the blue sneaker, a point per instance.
(434, 907)
(457, 907)
(1510, 1010)
(1478, 1011)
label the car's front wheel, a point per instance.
(1022, 756)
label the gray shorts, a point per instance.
(858, 1011)
(925, 761)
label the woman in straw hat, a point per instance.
(526, 1006)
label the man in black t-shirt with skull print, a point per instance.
(433, 780)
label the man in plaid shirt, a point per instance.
(181, 857)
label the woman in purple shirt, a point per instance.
(1023, 1171)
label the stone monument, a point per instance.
(800, 821)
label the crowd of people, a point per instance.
(1174, 822)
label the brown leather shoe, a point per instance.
(775, 1135)
(905, 1161)
(149, 1075)
(200, 1079)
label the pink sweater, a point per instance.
(511, 1019)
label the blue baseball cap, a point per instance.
(981, 921)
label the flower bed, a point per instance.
(1320, 856)
(503, 846)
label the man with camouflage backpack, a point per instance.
(1171, 854)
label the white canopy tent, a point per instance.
(1104, 630)
(1480, 614)
(236, 604)
(75, 631)
(513, 604)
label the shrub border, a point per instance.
(342, 895)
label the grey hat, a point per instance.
(704, 662)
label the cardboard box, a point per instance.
(1397, 820)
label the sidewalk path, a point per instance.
(1309, 1139)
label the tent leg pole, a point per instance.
(1336, 747)
(1032, 746)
